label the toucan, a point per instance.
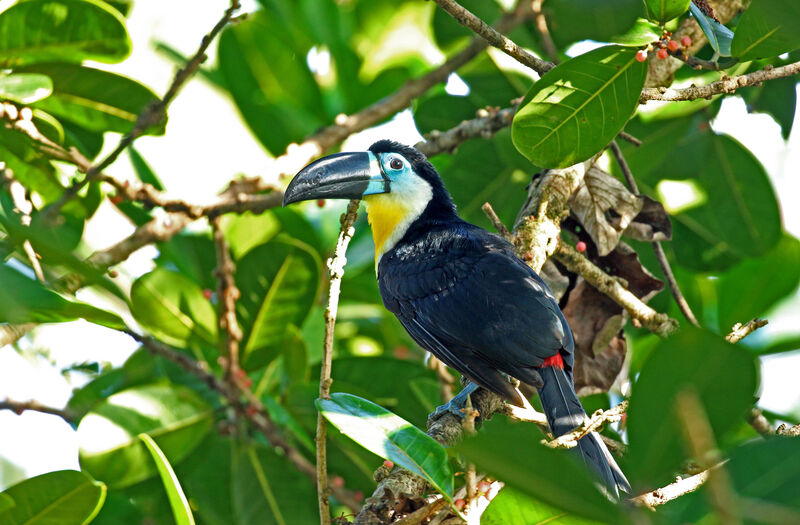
(460, 291)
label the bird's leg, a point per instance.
(457, 404)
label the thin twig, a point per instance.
(593, 424)
(227, 294)
(666, 269)
(739, 331)
(496, 222)
(629, 138)
(152, 114)
(760, 423)
(540, 23)
(464, 17)
(674, 490)
(336, 271)
(34, 406)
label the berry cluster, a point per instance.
(665, 46)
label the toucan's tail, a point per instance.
(564, 412)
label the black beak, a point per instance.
(337, 176)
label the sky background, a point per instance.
(205, 145)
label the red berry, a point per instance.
(247, 382)
(338, 482)
(358, 495)
(207, 293)
(662, 54)
(320, 202)
(116, 199)
(641, 55)
(388, 464)
(686, 41)
(580, 246)
(484, 486)
(251, 410)
(673, 45)
(459, 503)
(400, 352)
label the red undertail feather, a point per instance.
(555, 361)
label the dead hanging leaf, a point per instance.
(651, 224)
(554, 279)
(605, 207)
(597, 321)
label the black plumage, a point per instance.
(463, 295)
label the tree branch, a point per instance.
(336, 271)
(739, 331)
(464, 17)
(726, 85)
(227, 294)
(593, 424)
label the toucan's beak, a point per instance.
(338, 176)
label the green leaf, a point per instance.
(206, 476)
(173, 309)
(6, 502)
(24, 300)
(264, 67)
(752, 287)
(109, 445)
(64, 496)
(574, 20)
(642, 32)
(62, 31)
(96, 100)
(31, 169)
(279, 281)
(762, 472)
(267, 489)
(390, 437)
(739, 216)
(577, 108)
(662, 11)
(723, 376)
(719, 36)
(512, 453)
(177, 499)
(25, 88)
(193, 255)
(143, 169)
(512, 507)
(248, 230)
(767, 28)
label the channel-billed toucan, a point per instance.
(459, 291)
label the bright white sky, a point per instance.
(205, 145)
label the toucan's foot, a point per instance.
(456, 405)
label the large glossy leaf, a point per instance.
(267, 489)
(511, 507)
(778, 99)
(753, 286)
(723, 376)
(193, 255)
(96, 100)
(279, 282)
(574, 20)
(664, 10)
(767, 29)
(248, 230)
(173, 309)
(25, 300)
(577, 108)
(719, 37)
(513, 454)
(739, 216)
(177, 499)
(63, 31)
(206, 476)
(110, 448)
(25, 88)
(63, 496)
(391, 437)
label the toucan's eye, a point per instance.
(396, 164)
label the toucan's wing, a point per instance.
(465, 297)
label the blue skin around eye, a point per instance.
(376, 183)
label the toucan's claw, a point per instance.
(456, 405)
